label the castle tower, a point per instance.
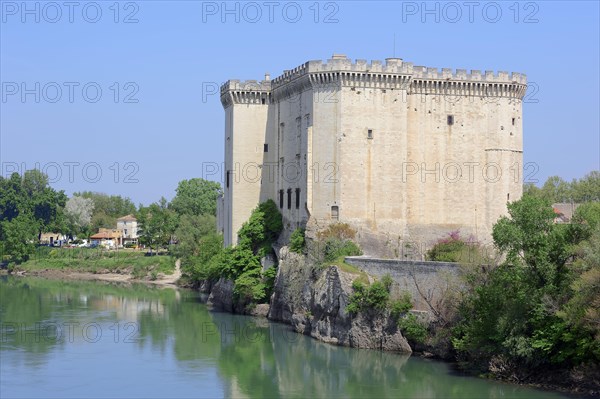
(400, 152)
(246, 107)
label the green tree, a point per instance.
(587, 188)
(157, 224)
(28, 207)
(196, 197)
(19, 237)
(582, 311)
(589, 214)
(189, 233)
(555, 189)
(513, 313)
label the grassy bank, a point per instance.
(99, 261)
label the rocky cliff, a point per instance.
(313, 301)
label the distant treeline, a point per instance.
(556, 189)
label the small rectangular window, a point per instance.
(297, 198)
(228, 173)
(289, 195)
(281, 199)
(335, 212)
(370, 133)
(450, 120)
(266, 147)
(513, 121)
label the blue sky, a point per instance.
(121, 108)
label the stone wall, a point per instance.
(422, 279)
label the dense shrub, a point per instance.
(400, 306)
(242, 262)
(335, 248)
(374, 296)
(297, 241)
(413, 329)
(455, 249)
(262, 228)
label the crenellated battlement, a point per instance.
(340, 63)
(245, 92)
(394, 73)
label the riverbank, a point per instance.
(124, 266)
(124, 276)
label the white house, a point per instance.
(128, 226)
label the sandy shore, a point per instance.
(168, 280)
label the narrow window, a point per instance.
(513, 121)
(335, 212)
(289, 192)
(297, 198)
(281, 199)
(450, 120)
(263, 101)
(508, 197)
(228, 173)
(370, 133)
(266, 147)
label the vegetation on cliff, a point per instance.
(242, 263)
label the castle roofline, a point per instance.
(403, 73)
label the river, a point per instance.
(64, 339)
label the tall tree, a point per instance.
(78, 212)
(196, 197)
(157, 224)
(28, 207)
(513, 316)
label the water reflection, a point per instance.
(164, 343)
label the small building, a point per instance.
(564, 212)
(128, 226)
(109, 238)
(52, 239)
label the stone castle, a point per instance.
(400, 152)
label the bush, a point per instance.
(297, 241)
(449, 249)
(375, 296)
(242, 262)
(401, 306)
(340, 231)
(335, 248)
(250, 287)
(262, 228)
(412, 329)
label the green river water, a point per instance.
(87, 339)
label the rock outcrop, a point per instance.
(313, 301)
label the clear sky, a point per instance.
(118, 97)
